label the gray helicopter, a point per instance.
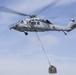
(35, 24)
(40, 25)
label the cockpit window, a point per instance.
(38, 23)
(47, 21)
(22, 21)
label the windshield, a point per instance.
(47, 21)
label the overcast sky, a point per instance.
(23, 55)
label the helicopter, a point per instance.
(35, 24)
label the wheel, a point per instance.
(26, 33)
(65, 33)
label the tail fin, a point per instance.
(71, 25)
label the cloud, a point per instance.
(15, 66)
(36, 65)
(47, 39)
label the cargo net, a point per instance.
(52, 69)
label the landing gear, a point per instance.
(25, 33)
(65, 33)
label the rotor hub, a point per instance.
(32, 16)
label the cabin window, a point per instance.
(32, 22)
(38, 23)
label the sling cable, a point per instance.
(52, 69)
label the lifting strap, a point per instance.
(43, 49)
(52, 69)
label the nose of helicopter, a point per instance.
(12, 26)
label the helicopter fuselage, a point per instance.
(36, 24)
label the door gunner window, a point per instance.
(32, 22)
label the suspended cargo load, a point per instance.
(52, 69)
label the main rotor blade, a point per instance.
(49, 5)
(8, 10)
